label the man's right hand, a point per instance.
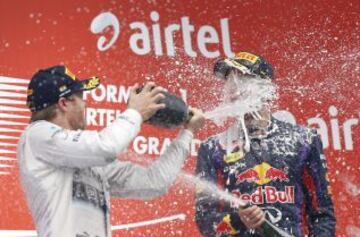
(252, 216)
(147, 101)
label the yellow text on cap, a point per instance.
(247, 56)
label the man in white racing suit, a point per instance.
(68, 173)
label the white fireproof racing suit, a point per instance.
(69, 176)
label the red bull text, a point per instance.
(267, 194)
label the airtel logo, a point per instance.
(160, 40)
(327, 129)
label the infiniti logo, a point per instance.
(273, 214)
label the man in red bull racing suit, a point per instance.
(283, 174)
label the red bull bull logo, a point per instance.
(248, 175)
(225, 227)
(277, 174)
(262, 174)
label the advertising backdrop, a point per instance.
(313, 46)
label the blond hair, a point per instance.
(44, 114)
(48, 113)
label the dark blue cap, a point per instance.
(246, 63)
(48, 85)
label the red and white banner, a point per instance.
(313, 46)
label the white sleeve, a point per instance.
(134, 181)
(83, 148)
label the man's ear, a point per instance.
(63, 104)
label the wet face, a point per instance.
(258, 120)
(238, 87)
(232, 86)
(76, 111)
(252, 92)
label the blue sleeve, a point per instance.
(321, 217)
(211, 217)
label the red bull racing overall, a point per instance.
(284, 173)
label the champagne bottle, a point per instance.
(173, 115)
(267, 229)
